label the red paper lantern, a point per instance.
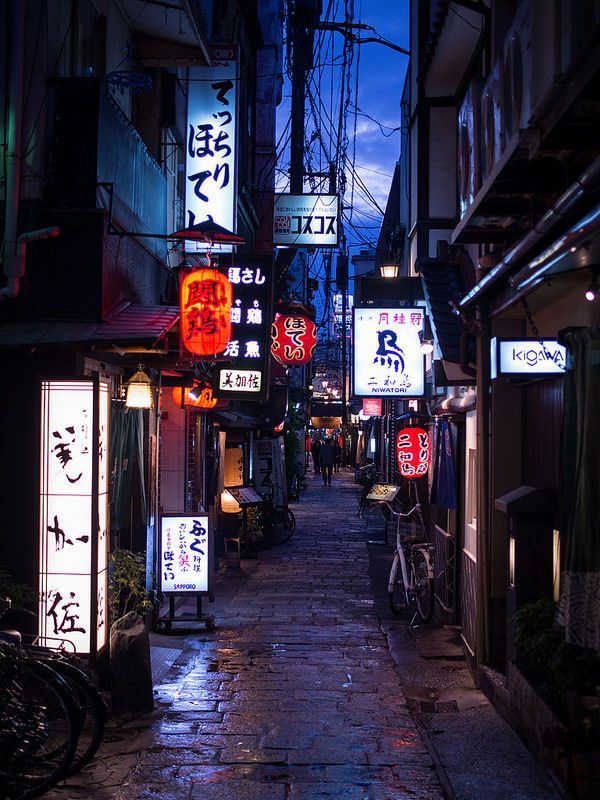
(205, 303)
(293, 339)
(205, 399)
(412, 452)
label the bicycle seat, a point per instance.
(11, 637)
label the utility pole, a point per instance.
(305, 15)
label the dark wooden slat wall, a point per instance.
(542, 415)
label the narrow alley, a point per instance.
(296, 695)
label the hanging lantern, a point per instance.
(205, 400)
(412, 452)
(205, 303)
(199, 396)
(139, 391)
(293, 339)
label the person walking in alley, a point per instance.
(314, 449)
(326, 460)
(337, 447)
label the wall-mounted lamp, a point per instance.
(139, 391)
(388, 270)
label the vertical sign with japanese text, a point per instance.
(211, 143)
(244, 374)
(73, 512)
(185, 553)
(388, 361)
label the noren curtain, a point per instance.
(579, 606)
(126, 448)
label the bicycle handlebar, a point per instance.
(416, 507)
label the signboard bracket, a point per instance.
(184, 616)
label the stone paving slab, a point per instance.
(295, 695)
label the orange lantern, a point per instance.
(293, 339)
(205, 303)
(204, 399)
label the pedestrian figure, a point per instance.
(326, 459)
(314, 449)
(337, 457)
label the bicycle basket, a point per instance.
(390, 533)
(412, 531)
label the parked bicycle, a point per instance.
(410, 585)
(279, 522)
(52, 716)
(367, 477)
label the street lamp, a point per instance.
(388, 270)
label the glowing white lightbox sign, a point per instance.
(240, 380)
(388, 361)
(521, 357)
(301, 220)
(185, 553)
(73, 561)
(210, 186)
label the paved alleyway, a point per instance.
(295, 695)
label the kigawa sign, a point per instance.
(388, 361)
(522, 357)
(306, 220)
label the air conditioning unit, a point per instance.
(516, 75)
(469, 153)
(491, 120)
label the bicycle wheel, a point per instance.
(397, 593)
(422, 586)
(92, 708)
(45, 751)
(285, 527)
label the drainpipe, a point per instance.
(15, 248)
(14, 265)
(13, 148)
(565, 205)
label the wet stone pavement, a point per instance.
(295, 696)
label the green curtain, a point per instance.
(579, 606)
(126, 447)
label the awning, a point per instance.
(322, 409)
(236, 419)
(131, 325)
(443, 282)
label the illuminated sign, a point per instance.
(240, 380)
(521, 357)
(73, 517)
(205, 305)
(412, 452)
(185, 553)
(306, 220)
(211, 143)
(372, 407)
(244, 371)
(387, 357)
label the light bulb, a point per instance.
(590, 295)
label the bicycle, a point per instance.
(81, 703)
(367, 477)
(279, 522)
(410, 585)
